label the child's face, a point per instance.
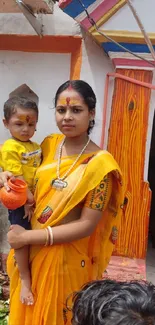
(22, 124)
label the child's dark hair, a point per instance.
(13, 103)
(85, 91)
(109, 302)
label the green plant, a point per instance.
(4, 309)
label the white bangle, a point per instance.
(50, 235)
(47, 237)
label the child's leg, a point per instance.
(22, 259)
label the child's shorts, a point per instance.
(16, 218)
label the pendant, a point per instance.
(58, 184)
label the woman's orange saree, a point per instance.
(60, 270)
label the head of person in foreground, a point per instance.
(109, 302)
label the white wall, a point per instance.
(124, 19)
(43, 73)
(54, 24)
(95, 66)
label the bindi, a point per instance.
(27, 118)
(68, 100)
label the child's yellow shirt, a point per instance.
(21, 158)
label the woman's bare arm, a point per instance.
(68, 232)
(62, 234)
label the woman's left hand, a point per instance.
(16, 236)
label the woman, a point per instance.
(78, 197)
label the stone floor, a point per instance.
(123, 268)
(150, 264)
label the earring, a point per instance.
(91, 123)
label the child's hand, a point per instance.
(4, 176)
(30, 198)
(29, 209)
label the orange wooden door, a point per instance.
(127, 142)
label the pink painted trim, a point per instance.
(99, 12)
(130, 62)
(64, 3)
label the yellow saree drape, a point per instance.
(60, 270)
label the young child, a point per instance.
(21, 156)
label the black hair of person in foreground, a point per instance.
(108, 302)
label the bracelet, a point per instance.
(47, 237)
(30, 205)
(51, 239)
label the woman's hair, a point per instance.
(13, 103)
(109, 302)
(85, 91)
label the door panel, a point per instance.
(127, 142)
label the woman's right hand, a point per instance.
(4, 176)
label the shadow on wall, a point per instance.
(97, 64)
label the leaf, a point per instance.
(4, 322)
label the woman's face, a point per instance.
(72, 114)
